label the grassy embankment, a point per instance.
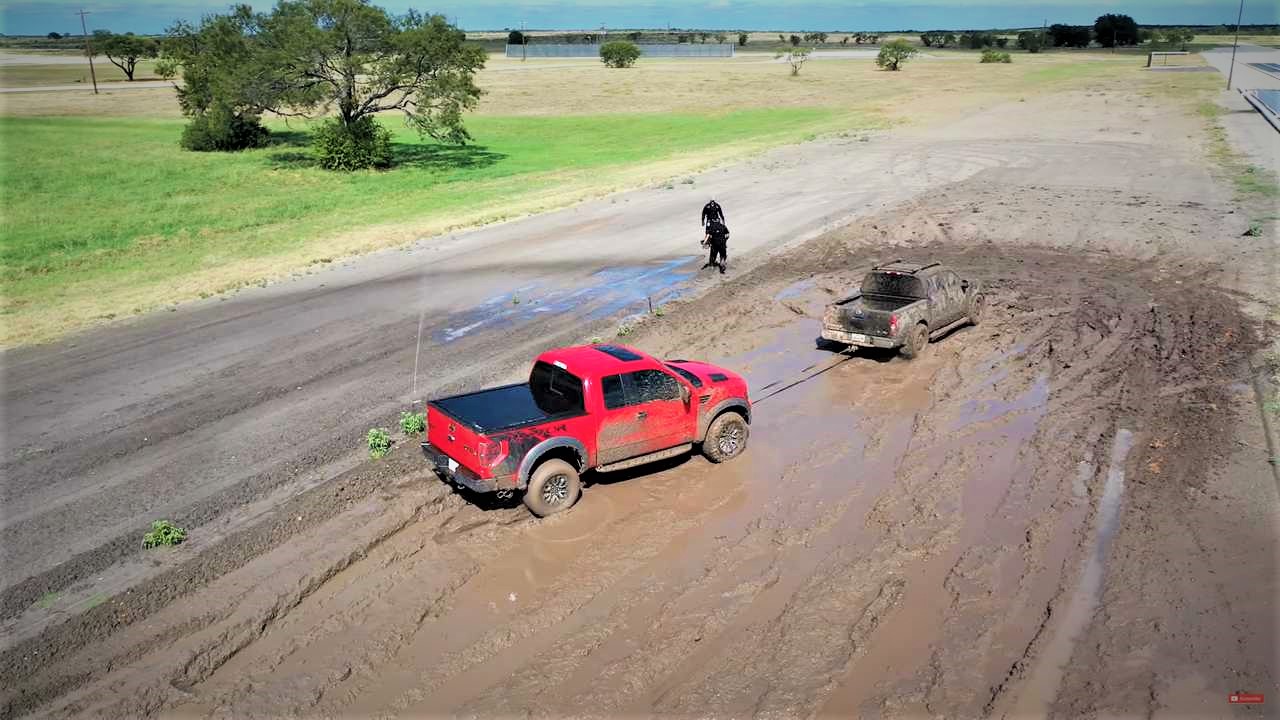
(114, 219)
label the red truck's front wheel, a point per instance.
(726, 438)
(553, 487)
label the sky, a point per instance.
(37, 17)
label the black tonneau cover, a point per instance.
(496, 409)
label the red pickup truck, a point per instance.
(592, 407)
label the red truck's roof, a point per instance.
(595, 360)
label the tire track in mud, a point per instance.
(188, 646)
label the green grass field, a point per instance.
(132, 206)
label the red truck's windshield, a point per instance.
(893, 284)
(556, 390)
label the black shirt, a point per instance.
(718, 233)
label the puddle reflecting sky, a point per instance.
(608, 292)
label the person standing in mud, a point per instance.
(717, 238)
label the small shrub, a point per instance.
(363, 144)
(1255, 229)
(163, 532)
(220, 130)
(379, 441)
(894, 53)
(995, 56)
(413, 423)
(619, 54)
(597, 340)
(659, 312)
(625, 330)
(796, 57)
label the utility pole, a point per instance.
(1236, 44)
(88, 50)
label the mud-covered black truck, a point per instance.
(902, 305)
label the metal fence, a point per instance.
(566, 50)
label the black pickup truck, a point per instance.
(901, 305)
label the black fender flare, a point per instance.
(535, 454)
(704, 422)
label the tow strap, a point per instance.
(779, 386)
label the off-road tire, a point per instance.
(554, 487)
(726, 438)
(917, 341)
(976, 308)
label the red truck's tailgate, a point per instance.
(455, 439)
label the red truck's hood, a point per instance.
(714, 377)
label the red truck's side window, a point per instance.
(555, 390)
(614, 396)
(638, 387)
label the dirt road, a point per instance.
(903, 539)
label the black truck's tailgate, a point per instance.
(864, 314)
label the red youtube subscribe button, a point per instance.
(1245, 698)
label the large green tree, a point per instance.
(345, 58)
(1112, 29)
(357, 60)
(124, 51)
(225, 85)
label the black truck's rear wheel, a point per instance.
(726, 438)
(554, 487)
(917, 341)
(976, 309)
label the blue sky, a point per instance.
(26, 17)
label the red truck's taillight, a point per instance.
(491, 453)
(893, 324)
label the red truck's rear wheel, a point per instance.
(726, 438)
(553, 487)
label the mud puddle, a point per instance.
(604, 293)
